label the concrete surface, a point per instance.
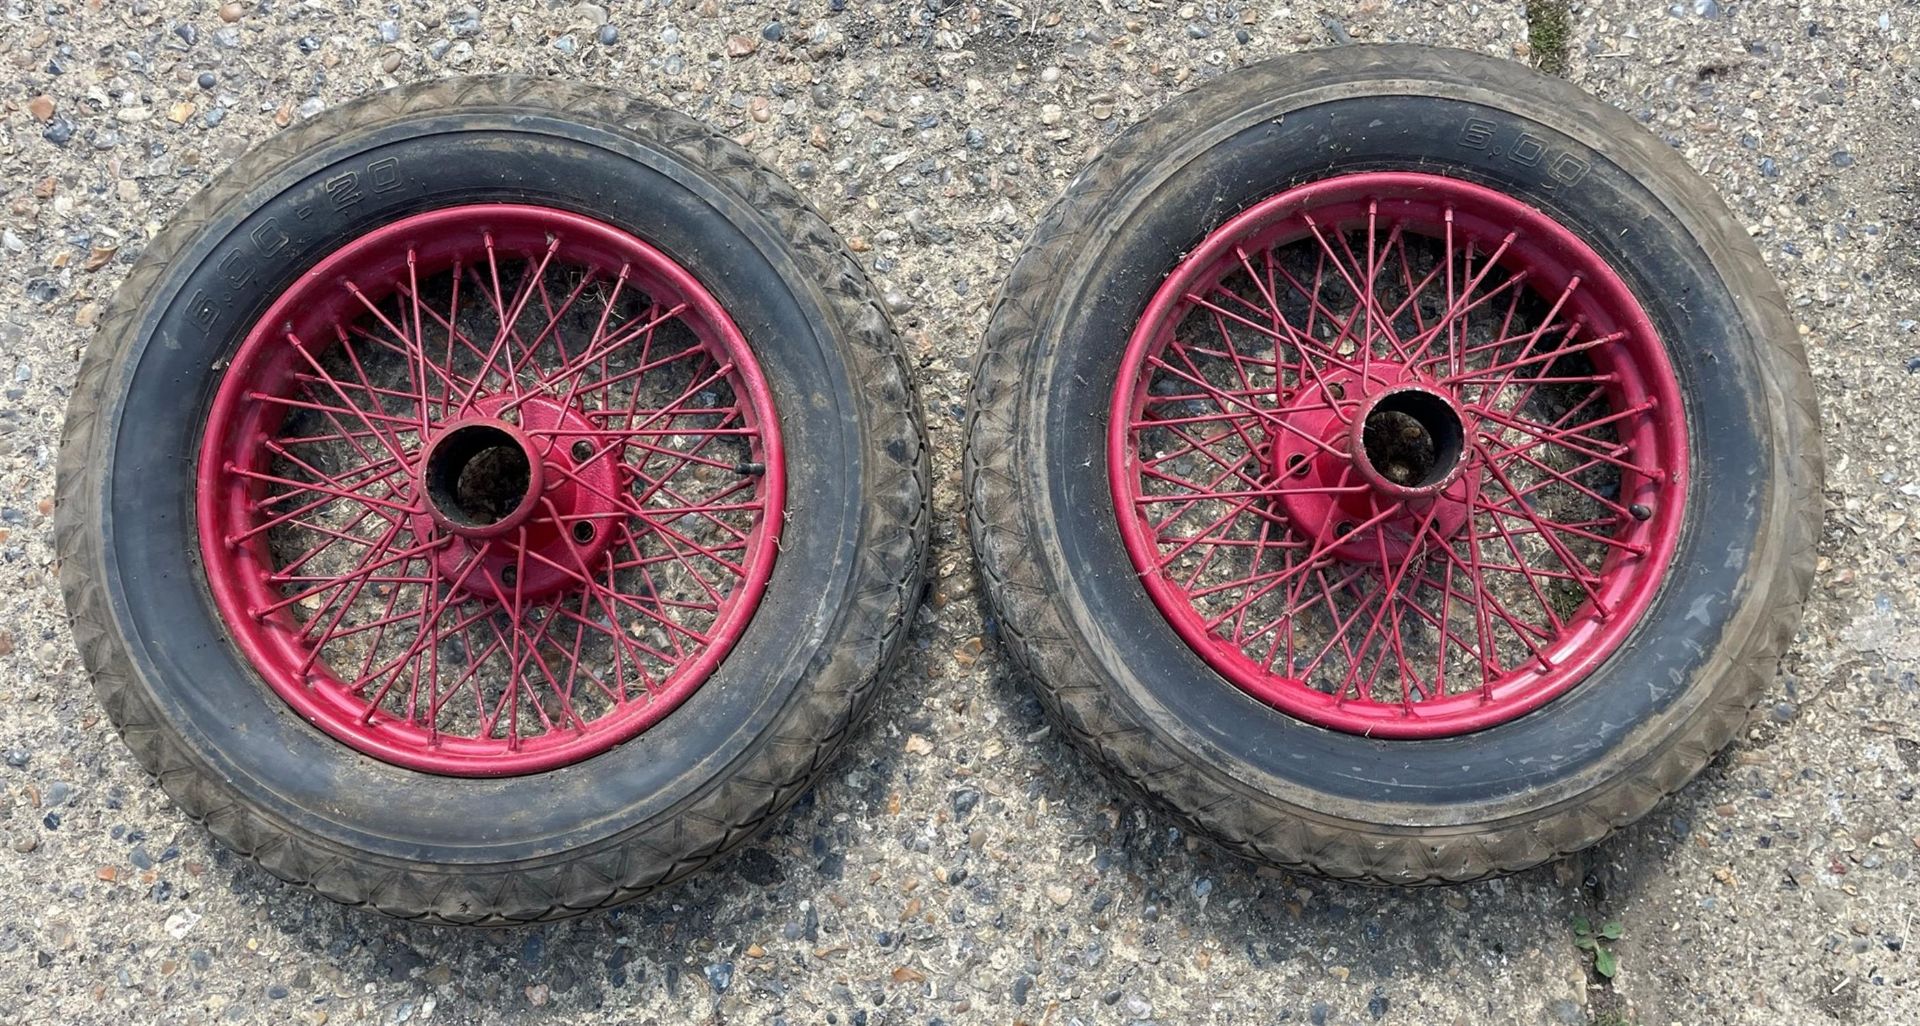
(1780, 888)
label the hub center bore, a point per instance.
(480, 478)
(1408, 441)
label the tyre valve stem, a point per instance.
(750, 469)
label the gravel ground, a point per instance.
(960, 865)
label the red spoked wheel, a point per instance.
(1394, 463)
(1398, 454)
(425, 505)
(490, 490)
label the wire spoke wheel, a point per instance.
(1398, 454)
(490, 490)
(427, 501)
(1394, 463)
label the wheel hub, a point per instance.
(484, 476)
(1370, 457)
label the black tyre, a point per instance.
(1396, 464)
(490, 501)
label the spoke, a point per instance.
(1564, 439)
(602, 348)
(369, 419)
(1267, 418)
(353, 480)
(1283, 333)
(1392, 588)
(366, 569)
(1311, 560)
(316, 487)
(1560, 551)
(351, 588)
(1234, 426)
(417, 364)
(507, 318)
(1484, 374)
(1203, 491)
(1253, 493)
(552, 329)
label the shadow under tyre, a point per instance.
(1396, 464)
(491, 500)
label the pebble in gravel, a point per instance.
(464, 22)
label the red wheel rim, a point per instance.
(490, 490)
(1398, 454)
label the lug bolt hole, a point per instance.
(1297, 464)
(1343, 528)
(508, 575)
(582, 451)
(582, 531)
